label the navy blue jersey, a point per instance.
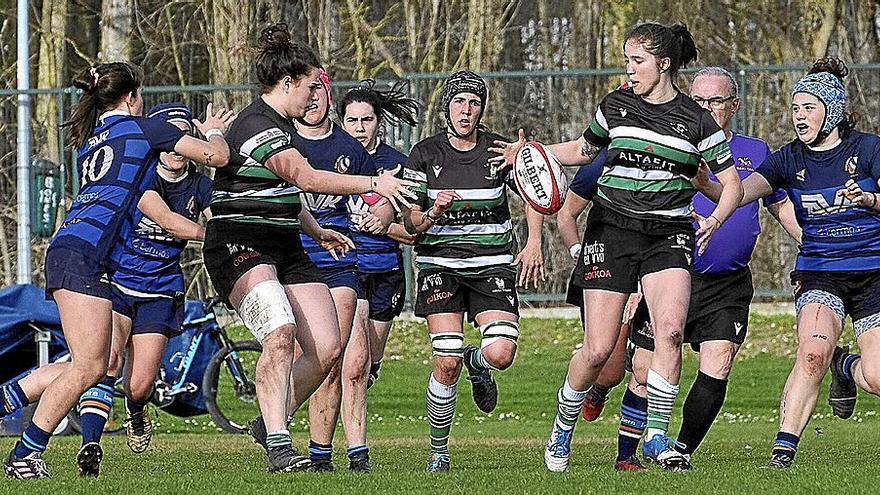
(116, 165)
(336, 152)
(838, 235)
(585, 182)
(377, 253)
(150, 261)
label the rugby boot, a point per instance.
(286, 459)
(438, 463)
(322, 465)
(557, 450)
(256, 428)
(89, 459)
(483, 386)
(31, 466)
(660, 449)
(139, 431)
(593, 405)
(360, 463)
(843, 393)
(632, 463)
(780, 461)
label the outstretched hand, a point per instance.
(707, 227)
(220, 120)
(397, 191)
(506, 152)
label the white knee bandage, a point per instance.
(496, 330)
(449, 344)
(265, 308)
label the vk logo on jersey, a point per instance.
(817, 205)
(318, 202)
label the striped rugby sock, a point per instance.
(786, 444)
(280, 438)
(34, 439)
(356, 450)
(633, 420)
(568, 405)
(12, 398)
(94, 409)
(848, 363)
(441, 411)
(661, 399)
(320, 451)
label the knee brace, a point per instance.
(450, 344)
(265, 308)
(500, 329)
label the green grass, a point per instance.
(501, 452)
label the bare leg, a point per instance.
(273, 367)
(355, 371)
(317, 336)
(87, 325)
(146, 355)
(604, 310)
(324, 404)
(818, 331)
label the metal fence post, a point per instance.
(742, 121)
(408, 274)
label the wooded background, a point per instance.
(209, 42)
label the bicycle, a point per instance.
(185, 386)
(225, 386)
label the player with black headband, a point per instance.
(464, 252)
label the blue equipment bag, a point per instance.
(186, 357)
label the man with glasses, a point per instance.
(721, 286)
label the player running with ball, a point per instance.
(640, 228)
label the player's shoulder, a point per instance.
(431, 144)
(748, 140)
(388, 154)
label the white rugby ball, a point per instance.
(540, 178)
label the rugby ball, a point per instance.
(540, 178)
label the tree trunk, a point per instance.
(117, 19)
(49, 75)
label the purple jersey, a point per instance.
(732, 245)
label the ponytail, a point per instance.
(103, 86)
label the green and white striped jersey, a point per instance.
(475, 235)
(653, 153)
(245, 191)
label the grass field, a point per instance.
(501, 453)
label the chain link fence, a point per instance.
(550, 105)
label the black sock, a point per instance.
(700, 409)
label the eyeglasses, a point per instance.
(715, 102)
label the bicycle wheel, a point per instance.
(230, 387)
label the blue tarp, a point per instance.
(20, 307)
(23, 304)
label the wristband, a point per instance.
(431, 217)
(213, 132)
(575, 251)
(716, 219)
(874, 203)
(372, 184)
